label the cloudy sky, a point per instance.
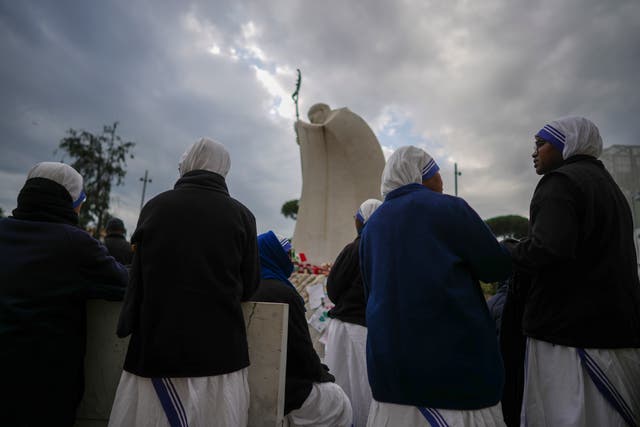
(470, 81)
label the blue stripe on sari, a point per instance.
(605, 387)
(166, 400)
(177, 402)
(433, 417)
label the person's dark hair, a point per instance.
(115, 225)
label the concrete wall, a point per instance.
(267, 336)
(267, 327)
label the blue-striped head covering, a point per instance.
(80, 200)
(573, 135)
(274, 258)
(64, 175)
(284, 242)
(429, 169)
(553, 136)
(407, 165)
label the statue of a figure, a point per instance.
(341, 167)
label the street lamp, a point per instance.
(144, 180)
(456, 174)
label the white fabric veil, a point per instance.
(581, 136)
(367, 208)
(205, 154)
(64, 175)
(405, 166)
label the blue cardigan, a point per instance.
(431, 340)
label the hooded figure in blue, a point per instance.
(274, 258)
(431, 341)
(311, 397)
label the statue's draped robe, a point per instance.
(342, 163)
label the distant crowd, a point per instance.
(411, 340)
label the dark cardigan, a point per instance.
(196, 259)
(344, 286)
(581, 257)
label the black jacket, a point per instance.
(303, 364)
(580, 254)
(47, 272)
(196, 259)
(344, 286)
(119, 248)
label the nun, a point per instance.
(311, 397)
(195, 261)
(581, 316)
(49, 267)
(345, 350)
(432, 354)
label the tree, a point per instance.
(290, 209)
(1, 213)
(515, 226)
(101, 160)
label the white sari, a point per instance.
(570, 387)
(217, 401)
(346, 357)
(326, 406)
(391, 415)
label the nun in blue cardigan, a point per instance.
(432, 354)
(311, 397)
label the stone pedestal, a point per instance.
(267, 330)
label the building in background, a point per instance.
(623, 162)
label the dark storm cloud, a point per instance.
(71, 67)
(469, 81)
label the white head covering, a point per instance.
(366, 209)
(407, 165)
(64, 175)
(205, 154)
(573, 135)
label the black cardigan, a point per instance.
(580, 254)
(303, 364)
(345, 288)
(196, 259)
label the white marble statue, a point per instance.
(341, 167)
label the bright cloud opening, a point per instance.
(277, 92)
